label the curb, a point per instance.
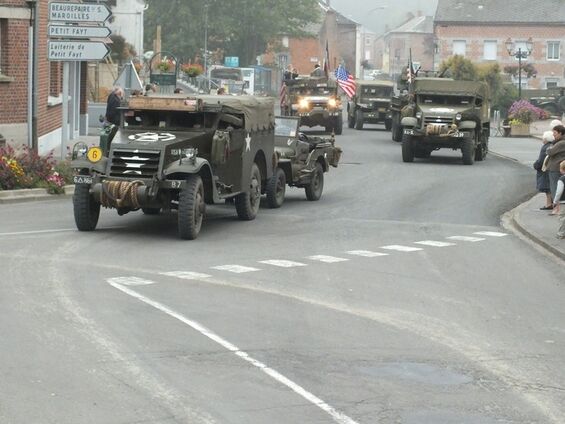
(33, 194)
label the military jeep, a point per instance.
(370, 104)
(179, 153)
(444, 113)
(302, 161)
(315, 101)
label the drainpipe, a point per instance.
(34, 67)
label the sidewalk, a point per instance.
(536, 225)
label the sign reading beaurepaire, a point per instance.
(78, 12)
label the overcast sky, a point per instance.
(394, 14)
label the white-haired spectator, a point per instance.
(542, 177)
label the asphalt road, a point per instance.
(397, 298)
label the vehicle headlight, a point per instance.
(80, 150)
(303, 104)
(332, 102)
(458, 117)
(419, 115)
(188, 153)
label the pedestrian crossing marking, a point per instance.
(130, 281)
(186, 275)
(282, 263)
(465, 238)
(491, 234)
(400, 248)
(237, 269)
(327, 259)
(434, 243)
(366, 253)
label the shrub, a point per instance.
(192, 69)
(524, 112)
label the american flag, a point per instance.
(283, 94)
(345, 80)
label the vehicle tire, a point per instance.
(338, 127)
(191, 208)
(151, 211)
(396, 131)
(276, 188)
(388, 124)
(407, 148)
(468, 151)
(86, 209)
(247, 203)
(358, 119)
(316, 186)
(350, 121)
(480, 152)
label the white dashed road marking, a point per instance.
(130, 281)
(366, 253)
(238, 269)
(465, 238)
(186, 275)
(401, 248)
(491, 234)
(434, 243)
(337, 416)
(327, 259)
(282, 263)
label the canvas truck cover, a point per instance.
(450, 87)
(374, 83)
(258, 111)
(310, 82)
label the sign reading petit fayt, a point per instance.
(77, 50)
(78, 12)
(74, 31)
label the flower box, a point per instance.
(519, 130)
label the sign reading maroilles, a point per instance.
(72, 26)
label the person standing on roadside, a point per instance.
(112, 105)
(542, 178)
(556, 154)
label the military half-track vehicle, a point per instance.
(315, 101)
(446, 114)
(302, 161)
(370, 104)
(179, 153)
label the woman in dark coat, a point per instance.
(542, 178)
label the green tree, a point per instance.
(459, 68)
(241, 28)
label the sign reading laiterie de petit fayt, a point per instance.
(77, 50)
(78, 12)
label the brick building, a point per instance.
(478, 31)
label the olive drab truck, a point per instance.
(370, 104)
(315, 101)
(446, 114)
(178, 153)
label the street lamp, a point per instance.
(519, 54)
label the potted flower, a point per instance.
(192, 69)
(521, 114)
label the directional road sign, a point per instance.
(78, 12)
(77, 50)
(74, 31)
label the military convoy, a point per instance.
(181, 153)
(444, 113)
(315, 101)
(370, 104)
(302, 161)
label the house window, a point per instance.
(459, 47)
(553, 50)
(551, 82)
(490, 50)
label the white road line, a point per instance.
(186, 275)
(491, 234)
(366, 253)
(337, 416)
(282, 263)
(130, 281)
(238, 269)
(62, 230)
(326, 259)
(434, 243)
(465, 238)
(401, 248)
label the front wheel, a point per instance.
(468, 151)
(388, 124)
(191, 208)
(359, 119)
(316, 186)
(276, 188)
(247, 203)
(338, 125)
(350, 120)
(86, 208)
(407, 148)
